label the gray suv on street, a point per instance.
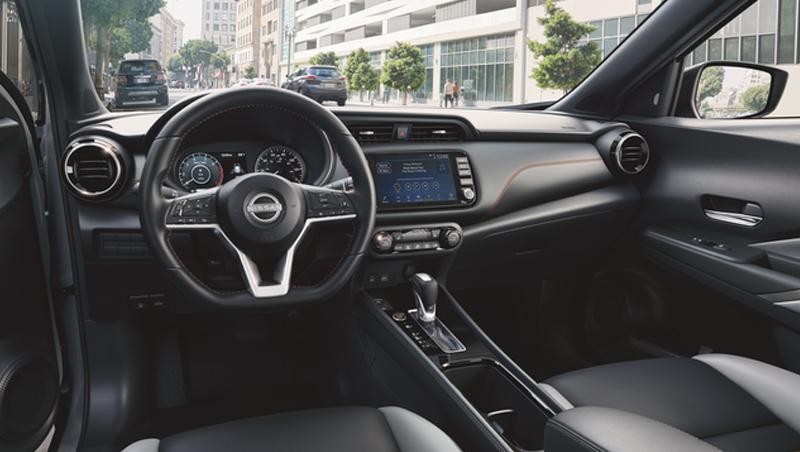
(320, 83)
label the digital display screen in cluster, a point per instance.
(414, 179)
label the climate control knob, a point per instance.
(450, 238)
(383, 241)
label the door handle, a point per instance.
(739, 219)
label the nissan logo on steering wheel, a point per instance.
(264, 208)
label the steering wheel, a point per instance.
(260, 217)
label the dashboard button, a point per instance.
(468, 193)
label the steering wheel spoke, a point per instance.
(193, 211)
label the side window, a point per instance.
(765, 33)
(15, 58)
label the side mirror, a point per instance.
(730, 90)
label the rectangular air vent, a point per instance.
(418, 132)
(436, 132)
(372, 133)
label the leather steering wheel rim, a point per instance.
(156, 210)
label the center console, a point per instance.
(468, 365)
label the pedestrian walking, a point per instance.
(448, 93)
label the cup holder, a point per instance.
(506, 405)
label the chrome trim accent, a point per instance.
(366, 132)
(427, 316)
(253, 209)
(96, 141)
(618, 152)
(438, 332)
(739, 219)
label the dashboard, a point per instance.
(518, 186)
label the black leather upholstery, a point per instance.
(348, 429)
(693, 396)
(607, 429)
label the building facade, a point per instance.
(270, 39)
(247, 52)
(219, 23)
(167, 38)
(481, 44)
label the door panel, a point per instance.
(30, 368)
(721, 206)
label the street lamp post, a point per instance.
(288, 33)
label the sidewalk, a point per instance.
(396, 104)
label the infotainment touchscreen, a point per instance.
(405, 180)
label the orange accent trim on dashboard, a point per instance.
(536, 165)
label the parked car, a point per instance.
(140, 80)
(262, 82)
(178, 84)
(243, 82)
(320, 83)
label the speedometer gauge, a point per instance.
(199, 170)
(283, 161)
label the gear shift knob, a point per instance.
(426, 292)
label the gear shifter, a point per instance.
(426, 292)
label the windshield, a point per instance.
(434, 54)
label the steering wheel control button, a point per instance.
(193, 210)
(264, 208)
(329, 203)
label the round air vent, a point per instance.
(94, 168)
(630, 152)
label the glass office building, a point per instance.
(483, 67)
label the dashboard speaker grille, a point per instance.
(631, 153)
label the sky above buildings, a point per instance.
(190, 12)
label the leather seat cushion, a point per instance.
(684, 393)
(388, 429)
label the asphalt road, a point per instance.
(175, 95)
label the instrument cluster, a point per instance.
(207, 166)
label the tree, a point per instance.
(220, 60)
(710, 83)
(325, 59)
(404, 69)
(175, 63)
(130, 36)
(197, 55)
(354, 60)
(754, 99)
(102, 21)
(563, 63)
(249, 72)
(365, 78)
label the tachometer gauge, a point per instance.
(199, 170)
(283, 161)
